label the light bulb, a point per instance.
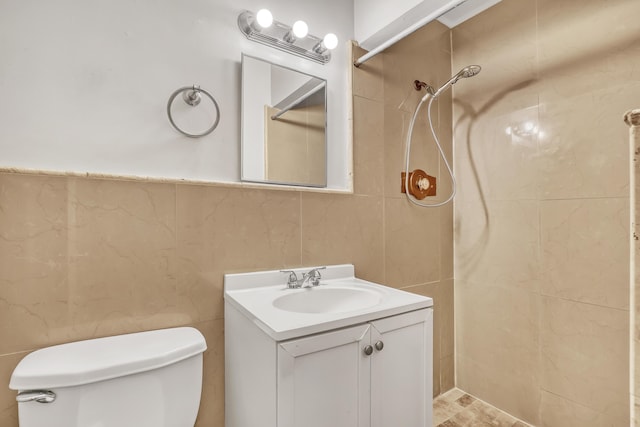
(264, 18)
(330, 41)
(300, 29)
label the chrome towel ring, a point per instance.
(191, 95)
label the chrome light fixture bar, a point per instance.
(262, 28)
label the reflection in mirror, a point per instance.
(283, 125)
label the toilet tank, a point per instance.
(145, 379)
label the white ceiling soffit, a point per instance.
(465, 11)
(377, 22)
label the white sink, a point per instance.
(340, 300)
(321, 299)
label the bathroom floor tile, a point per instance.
(456, 408)
(465, 400)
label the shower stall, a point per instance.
(532, 280)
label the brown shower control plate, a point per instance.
(416, 184)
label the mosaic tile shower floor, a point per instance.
(456, 408)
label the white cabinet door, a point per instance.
(401, 373)
(324, 380)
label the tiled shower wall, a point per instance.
(84, 257)
(542, 223)
(384, 100)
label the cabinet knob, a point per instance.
(368, 350)
(379, 345)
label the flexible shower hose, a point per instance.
(407, 156)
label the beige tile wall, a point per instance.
(542, 223)
(419, 240)
(83, 258)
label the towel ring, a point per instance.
(191, 95)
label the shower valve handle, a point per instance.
(424, 184)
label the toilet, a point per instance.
(145, 379)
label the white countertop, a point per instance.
(254, 294)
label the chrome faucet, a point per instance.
(312, 277)
(292, 281)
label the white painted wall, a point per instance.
(84, 83)
(284, 83)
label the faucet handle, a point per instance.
(292, 280)
(315, 276)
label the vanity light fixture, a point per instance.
(262, 28)
(264, 19)
(329, 42)
(300, 29)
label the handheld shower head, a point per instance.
(468, 71)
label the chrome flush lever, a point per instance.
(40, 396)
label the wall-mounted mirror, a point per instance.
(284, 118)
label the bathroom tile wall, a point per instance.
(542, 222)
(417, 242)
(84, 257)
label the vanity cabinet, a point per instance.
(372, 374)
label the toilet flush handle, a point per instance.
(40, 396)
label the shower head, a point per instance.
(468, 71)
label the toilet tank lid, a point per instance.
(89, 361)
